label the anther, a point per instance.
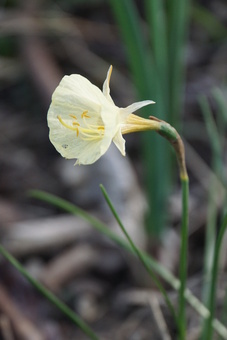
(101, 128)
(84, 114)
(73, 116)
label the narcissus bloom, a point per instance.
(83, 120)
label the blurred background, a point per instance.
(178, 61)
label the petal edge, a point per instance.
(119, 141)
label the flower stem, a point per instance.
(183, 257)
(168, 132)
(140, 256)
(159, 269)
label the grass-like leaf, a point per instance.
(210, 269)
(140, 255)
(146, 79)
(155, 266)
(208, 330)
(70, 314)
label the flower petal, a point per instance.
(106, 85)
(78, 112)
(83, 120)
(70, 146)
(119, 141)
(138, 105)
(75, 89)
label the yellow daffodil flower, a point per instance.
(83, 120)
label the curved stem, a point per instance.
(168, 132)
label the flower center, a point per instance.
(84, 130)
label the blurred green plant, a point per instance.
(8, 47)
(157, 68)
(155, 266)
(208, 21)
(207, 333)
(140, 256)
(69, 313)
(217, 195)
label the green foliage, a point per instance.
(216, 133)
(50, 296)
(156, 65)
(140, 256)
(215, 29)
(155, 266)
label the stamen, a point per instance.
(73, 116)
(88, 132)
(66, 125)
(84, 114)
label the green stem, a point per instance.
(183, 257)
(168, 132)
(157, 267)
(102, 228)
(210, 238)
(216, 147)
(140, 255)
(51, 297)
(211, 305)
